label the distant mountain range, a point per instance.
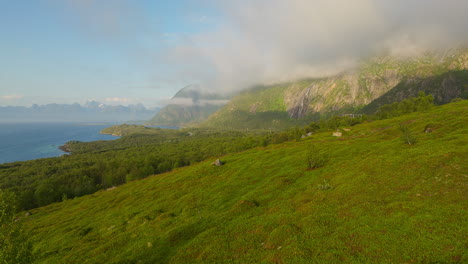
(91, 111)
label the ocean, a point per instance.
(27, 141)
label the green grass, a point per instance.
(389, 202)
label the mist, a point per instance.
(264, 42)
(250, 42)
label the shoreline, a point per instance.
(31, 141)
(111, 134)
(64, 148)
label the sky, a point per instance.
(144, 51)
(66, 51)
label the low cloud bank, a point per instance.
(268, 41)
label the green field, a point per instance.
(375, 199)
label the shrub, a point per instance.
(458, 99)
(315, 158)
(14, 247)
(407, 136)
(324, 186)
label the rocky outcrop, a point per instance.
(337, 134)
(299, 105)
(217, 162)
(335, 93)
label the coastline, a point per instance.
(65, 148)
(111, 134)
(96, 124)
(30, 141)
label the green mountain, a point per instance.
(371, 198)
(189, 105)
(376, 82)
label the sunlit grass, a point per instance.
(390, 202)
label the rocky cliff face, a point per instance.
(386, 77)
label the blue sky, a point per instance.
(77, 50)
(144, 51)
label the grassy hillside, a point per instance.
(376, 199)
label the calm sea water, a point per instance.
(39, 140)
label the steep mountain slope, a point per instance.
(376, 82)
(260, 107)
(444, 87)
(189, 105)
(376, 200)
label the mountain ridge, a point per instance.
(91, 111)
(377, 81)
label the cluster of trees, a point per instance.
(414, 104)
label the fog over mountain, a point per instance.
(268, 41)
(91, 111)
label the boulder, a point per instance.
(337, 134)
(217, 163)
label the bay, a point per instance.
(26, 141)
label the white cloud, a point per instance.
(117, 100)
(267, 41)
(11, 97)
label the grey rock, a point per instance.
(217, 163)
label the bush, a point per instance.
(407, 136)
(315, 158)
(324, 186)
